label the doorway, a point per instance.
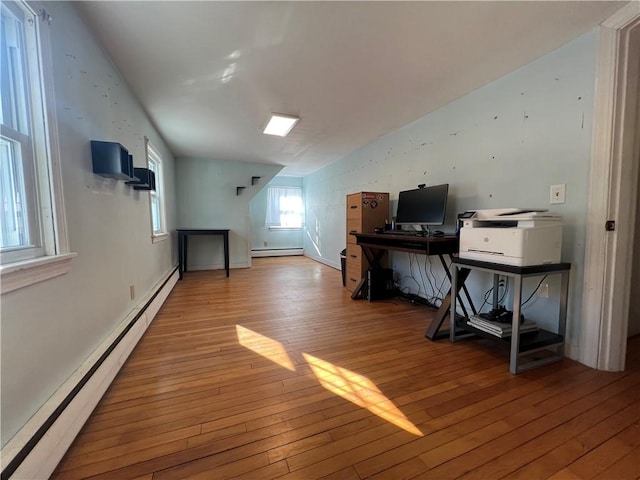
(634, 304)
(613, 203)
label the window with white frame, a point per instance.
(20, 237)
(31, 215)
(285, 207)
(158, 223)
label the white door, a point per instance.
(608, 285)
(634, 304)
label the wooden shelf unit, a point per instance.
(521, 346)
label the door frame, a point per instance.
(612, 193)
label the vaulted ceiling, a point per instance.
(210, 73)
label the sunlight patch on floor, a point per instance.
(349, 385)
(359, 390)
(265, 346)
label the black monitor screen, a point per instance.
(423, 206)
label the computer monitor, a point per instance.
(423, 206)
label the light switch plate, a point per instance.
(557, 193)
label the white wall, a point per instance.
(50, 328)
(207, 199)
(502, 145)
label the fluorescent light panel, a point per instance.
(280, 124)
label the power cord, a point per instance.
(534, 291)
(505, 290)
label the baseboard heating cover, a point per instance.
(277, 252)
(35, 451)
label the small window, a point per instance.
(285, 207)
(158, 222)
(33, 243)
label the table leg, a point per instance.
(562, 315)
(226, 252)
(180, 254)
(515, 326)
(358, 293)
(185, 246)
(449, 274)
(463, 287)
(452, 310)
(373, 258)
(445, 306)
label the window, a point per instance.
(158, 222)
(20, 238)
(32, 229)
(284, 207)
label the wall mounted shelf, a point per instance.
(144, 179)
(111, 160)
(254, 180)
(239, 190)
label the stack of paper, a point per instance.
(497, 328)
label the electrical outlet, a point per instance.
(265, 243)
(557, 193)
(132, 291)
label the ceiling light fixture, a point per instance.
(280, 124)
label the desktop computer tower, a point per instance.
(380, 284)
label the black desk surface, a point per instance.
(525, 270)
(202, 231)
(429, 245)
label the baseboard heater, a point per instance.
(36, 450)
(277, 252)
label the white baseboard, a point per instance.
(199, 268)
(323, 260)
(572, 351)
(42, 459)
(284, 252)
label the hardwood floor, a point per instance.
(275, 373)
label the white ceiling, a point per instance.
(210, 73)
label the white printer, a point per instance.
(511, 236)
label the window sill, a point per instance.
(161, 237)
(28, 272)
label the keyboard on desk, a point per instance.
(405, 233)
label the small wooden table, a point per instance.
(183, 242)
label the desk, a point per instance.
(375, 244)
(521, 344)
(183, 243)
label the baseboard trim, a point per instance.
(199, 268)
(36, 450)
(324, 261)
(277, 252)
